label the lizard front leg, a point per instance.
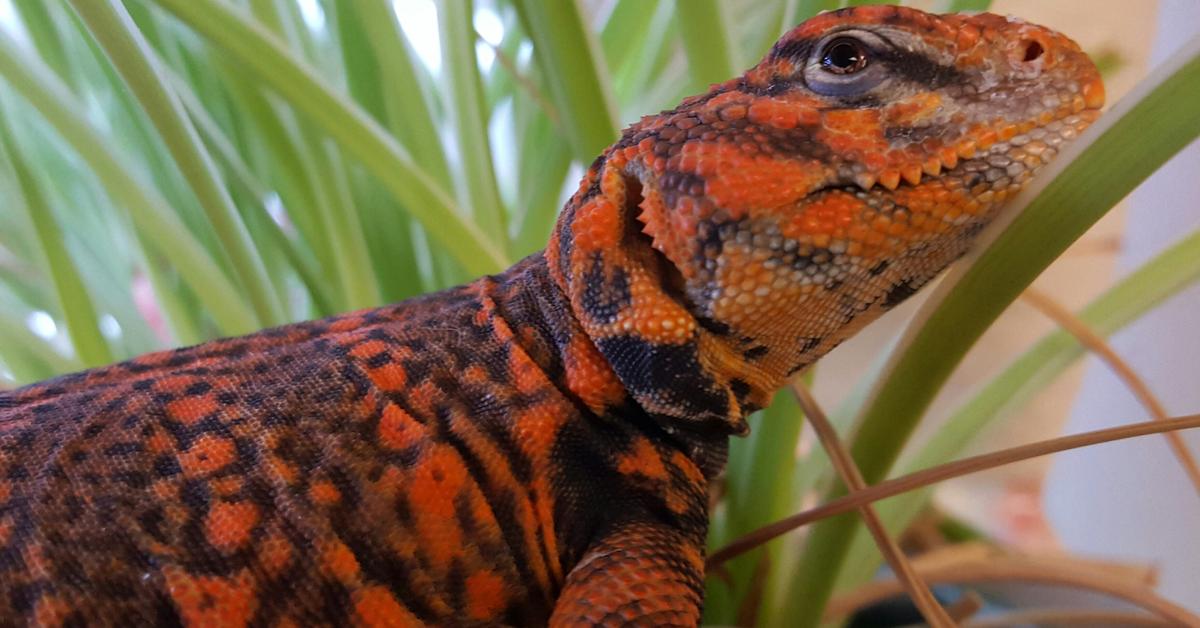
(641, 573)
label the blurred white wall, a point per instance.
(1130, 500)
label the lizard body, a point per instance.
(536, 446)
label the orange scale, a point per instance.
(486, 595)
(324, 493)
(838, 142)
(687, 161)
(339, 561)
(808, 114)
(537, 428)
(391, 483)
(368, 348)
(642, 459)
(596, 226)
(761, 111)
(228, 525)
(612, 183)
(475, 374)
(875, 161)
(226, 486)
(390, 377)
(526, 376)
(725, 98)
(435, 485)
(174, 383)
(376, 607)
(52, 610)
(345, 324)
(207, 454)
(774, 182)
(189, 410)
(212, 600)
(676, 499)
(967, 37)
(274, 553)
(397, 429)
(873, 238)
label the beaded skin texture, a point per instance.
(537, 446)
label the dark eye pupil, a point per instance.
(843, 56)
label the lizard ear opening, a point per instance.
(664, 375)
(637, 239)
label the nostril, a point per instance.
(1033, 51)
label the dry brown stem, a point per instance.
(1045, 571)
(965, 607)
(1067, 616)
(843, 463)
(1095, 343)
(933, 475)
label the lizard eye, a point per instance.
(844, 55)
(841, 65)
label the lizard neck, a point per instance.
(539, 317)
(630, 303)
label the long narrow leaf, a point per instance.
(568, 53)
(76, 305)
(704, 29)
(34, 81)
(362, 137)
(29, 357)
(136, 62)
(465, 102)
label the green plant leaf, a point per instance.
(29, 357)
(35, 82)
(465, 102)
(704, 29)
(136, 62)
(567, 52)
(263, 54)
(73, 298)
(954, 6)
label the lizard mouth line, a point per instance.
(947, 160)
(1055, 133)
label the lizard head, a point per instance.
(755, 227)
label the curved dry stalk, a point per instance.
(1020, 569)
(527, 85)
(921, 596)
(933, 475)
(1067, 616)
(1098, 345)
(965, 606)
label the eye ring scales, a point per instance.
(843, 66)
